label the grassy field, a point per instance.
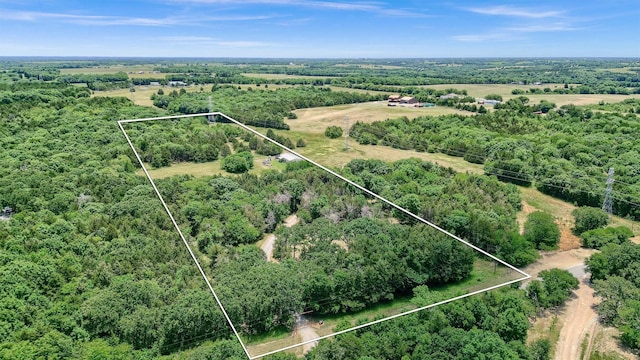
(208, 168)
(132, 70)
(316, 120)
(283, 76)
(142, 95)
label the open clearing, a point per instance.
(208, 168)
(316, 120)
(134, 71)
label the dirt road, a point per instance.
(579, 318)
(581, 321)
(270, 240)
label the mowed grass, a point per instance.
(316, 120)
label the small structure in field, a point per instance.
(394, 98)
(287, 157)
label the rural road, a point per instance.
(269, 242)
(580, 317)
(581, 320)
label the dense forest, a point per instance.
(92, 267)
(565, 153)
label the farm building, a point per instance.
(177, 83)
(287, 157)
(408, 100)
(394, 98)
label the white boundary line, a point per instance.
(390, 203)
(184, 240)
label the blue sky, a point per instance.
(320, 28)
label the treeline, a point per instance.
(565, 153)
(616, 279)
(263, 108)
(488, 326)
(627, 106)
(419, 72)
(98, 81)
(600, 88)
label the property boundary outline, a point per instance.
(525, 276)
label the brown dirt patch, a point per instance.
(558, 259)
(568, 240)
(522, 214)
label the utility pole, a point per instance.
(607, 205)
(346, 133)
(211, 118)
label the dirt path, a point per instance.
(581, 321)
(270, 240)
(578, 318)
(307, 333)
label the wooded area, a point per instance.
(91, 266)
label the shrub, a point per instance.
(238, 163)
(598, 238)
(333, 132)
(589, 218)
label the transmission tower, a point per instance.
(607, 205)
(346, 132)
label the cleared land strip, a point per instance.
(270, 240)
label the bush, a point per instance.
(238, 163)
(597, 238)
(333, 132)
(589, 218)
(541, 229)
(301, 143)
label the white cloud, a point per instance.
(375, 7)
(515, 12)
(97, 20)
(544, 28)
